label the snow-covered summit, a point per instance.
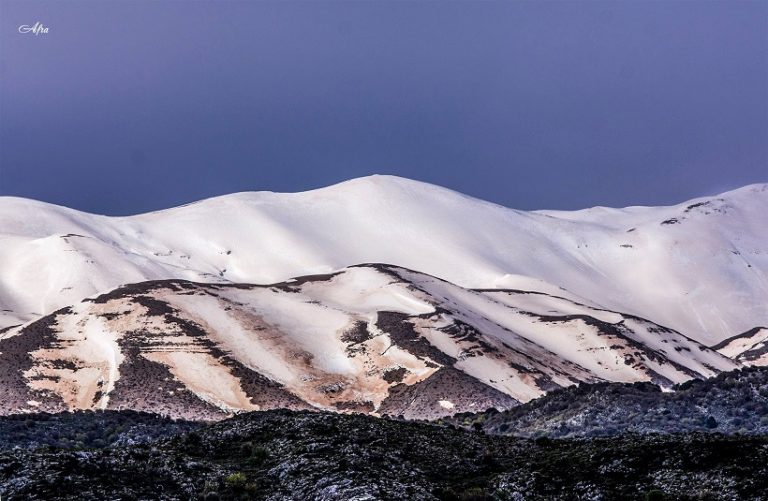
(700, 267)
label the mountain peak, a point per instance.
(386, 184)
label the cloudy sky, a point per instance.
(129, 106)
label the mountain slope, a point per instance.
(699, 268)
(749, 348)
(370, 338)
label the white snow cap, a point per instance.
(700, 267)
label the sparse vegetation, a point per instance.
(313, 455)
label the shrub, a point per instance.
(236, 480)
(655, 495)
(473, 494)
(258, 455)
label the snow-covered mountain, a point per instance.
(371, 338)
(749, 348)
(477, 306)
(700, 267)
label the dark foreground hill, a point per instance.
(732, 402)
(311, 455)
(87, 430)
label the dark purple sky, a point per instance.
(128, 106)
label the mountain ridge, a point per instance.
(375, 179)
(711, 253)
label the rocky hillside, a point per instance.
(371, 338)
(87, 430)
(733, 402)
(279, 455)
